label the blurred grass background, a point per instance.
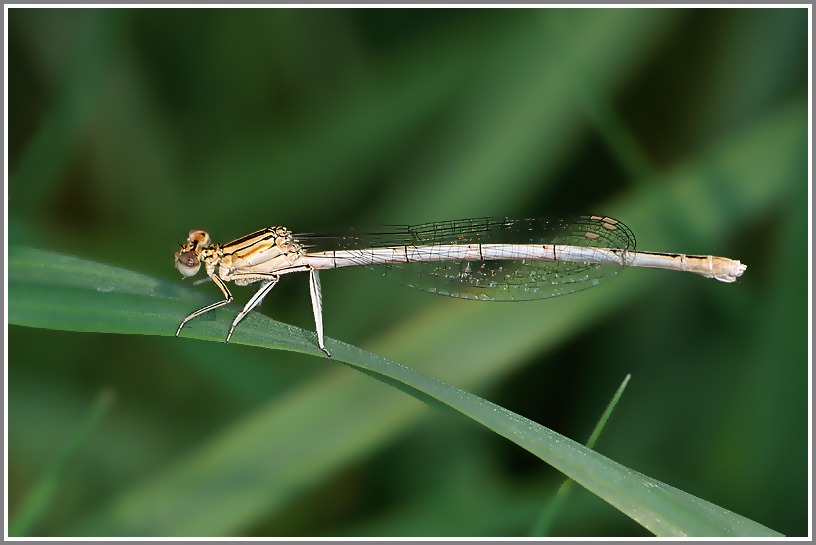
(129, 127)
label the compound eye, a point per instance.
(187, 263)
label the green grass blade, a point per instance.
(596, 104)
(593, 438)
(61, 292)
(39, 498)
(544, 522)
(528, 117)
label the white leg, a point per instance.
(317, 308)
(227, 300)
(253, 302)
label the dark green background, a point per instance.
(129, 127)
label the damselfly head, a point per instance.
(187, 263)
(187, 260)
(198, 239)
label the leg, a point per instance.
(314, 291)
(253, 302)
(227, 300)
(317, 308)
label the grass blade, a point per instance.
(61, 292)
(39, 498)
(545, 520)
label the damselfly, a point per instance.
(489, 259)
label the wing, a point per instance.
(510, 280)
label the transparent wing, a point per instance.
(510, 280)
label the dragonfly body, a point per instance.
(486, 259)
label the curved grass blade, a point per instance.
(55, 291)
(38, 499)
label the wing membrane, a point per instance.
(506, 280)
